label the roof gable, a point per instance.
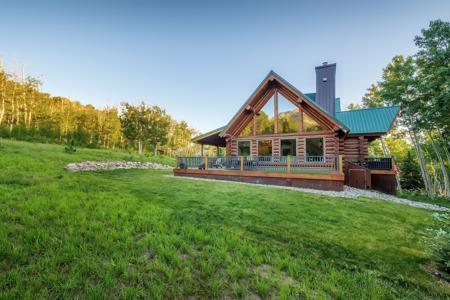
(289, 92)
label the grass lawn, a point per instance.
(139, 234)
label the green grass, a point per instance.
(140, 234)
(421, 197)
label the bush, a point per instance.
(410, 177)
(440, 243)
(70, 148)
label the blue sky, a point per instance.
(202, 59)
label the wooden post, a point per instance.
(217, 150)
(340, 162)
(242, 163)
(201, 153)
(289, 164)
(275, 104)
(206, 162)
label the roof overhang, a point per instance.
(211, 138)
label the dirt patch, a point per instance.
(432, 270)
(267, 271)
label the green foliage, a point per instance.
(440, 243)
(410, 178)
(70, 148)
(140, 234)
(372, 98)
(353, 106)
(30, 115)
(433, 76)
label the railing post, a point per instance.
(340, 167)
(242, 163)
(206, 162)
(289, 164)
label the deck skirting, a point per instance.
(332, 182)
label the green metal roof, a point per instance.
(215, 131)
(370, 120)
(311, 96)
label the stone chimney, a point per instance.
(326, 87)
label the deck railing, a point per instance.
(274, 164)
(378, 163)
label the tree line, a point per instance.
(26, 113)
(420, 85)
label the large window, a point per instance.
(309, 125)
(288, 116)
(314, 149)
(244, 148)
(248, 130)
(265, 148)
(265, 120)
(288, 147)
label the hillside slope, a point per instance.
(138, 233)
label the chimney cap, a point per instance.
(326, 65)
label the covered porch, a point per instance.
(309, 172)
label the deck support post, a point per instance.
(242, 163)
(340, 164)
(289, 164)
(206, 162)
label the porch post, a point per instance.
(242, 163)
(341, 160)
(217, 150)
(289, 164)
(201, 153)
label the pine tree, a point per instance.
(410, 173)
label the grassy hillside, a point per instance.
(138, 233)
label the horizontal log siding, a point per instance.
(354, 149)
(234, 147)
(254, 147)
(276, 147)
(300, 146)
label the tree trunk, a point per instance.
(422, 164)
(442, 165)
(140, 146)
(11, 119)
(442, 139)
(2, 113)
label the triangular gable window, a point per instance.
(288, 116)
(310, 125)
(248, 129)
(265, 120)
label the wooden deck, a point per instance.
(333, 181)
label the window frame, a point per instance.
(289, 139)
(243, 141)
(271, 146)
(323, 149)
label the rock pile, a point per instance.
(113, 165)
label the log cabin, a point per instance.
(282, 136)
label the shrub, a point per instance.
(410, 177)
(70, 148)
(440, 243)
